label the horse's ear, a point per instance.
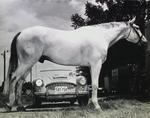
(132, 21)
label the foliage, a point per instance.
(78, 21)
(118, 10)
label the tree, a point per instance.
(78, 21)
(118, 10)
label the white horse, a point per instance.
(86, 46)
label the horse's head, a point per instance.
(135, 34)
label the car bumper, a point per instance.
(56, 96)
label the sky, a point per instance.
(16, 15)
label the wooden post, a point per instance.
(4, 58)
(4, 65)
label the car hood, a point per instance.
(61, 79)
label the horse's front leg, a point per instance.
(95, 71)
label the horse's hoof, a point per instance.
(21, 109)
(98, 109)
(7, 107)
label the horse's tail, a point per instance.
(13, 63)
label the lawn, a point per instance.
(112, 108)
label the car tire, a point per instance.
(83, 100)
(72, 102)
(36, 101)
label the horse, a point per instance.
(85, 46)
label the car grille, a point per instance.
(53, 85)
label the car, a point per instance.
(60, 85)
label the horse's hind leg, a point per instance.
(21, 70)
(19, 95)
(19, 92)
(95, 71)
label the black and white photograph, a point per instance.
(75, 58)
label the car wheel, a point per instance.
(72, 102)
(83, 100)
(36, 101)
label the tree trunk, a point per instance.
(147, 34)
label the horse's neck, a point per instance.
(118, 33)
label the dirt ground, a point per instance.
(117, 108)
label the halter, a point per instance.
(129, 34)
(140, 37)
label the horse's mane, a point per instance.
(110, 25)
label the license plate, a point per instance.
(61, 89)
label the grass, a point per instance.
(117, 108)
(112, 108)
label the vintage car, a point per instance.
(60, 85)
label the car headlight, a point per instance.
(39, 82)
(82, 80)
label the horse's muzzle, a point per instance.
(142, 43)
